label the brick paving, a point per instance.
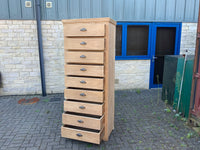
(140, 123)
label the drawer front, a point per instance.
(89, 83)
(85, 95)
(84, 57)
(83, 108)
(84, 30)
(84, 70)
(87, 136)
(81, 121)
(84, 43)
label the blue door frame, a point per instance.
(124, 41)
(178, 27)
(151, 44)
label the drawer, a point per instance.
(84, 57)
(88, 83)
(83, 121)
(84, 43)
(82, 135)
(84, 95)
(84, 70)
(84, 29)
(83, 108)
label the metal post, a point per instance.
(40, 46)
(181, 87)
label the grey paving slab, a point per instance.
(140, 123)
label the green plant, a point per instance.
(140, 142)
(176, 128)
(184, 119)
(182, 138)
(47, 111)
(124, 95)
(45, 100)
(166, 102)
(89, 145)
(128, 129)
(158, 118)
(37, 111)
(170, 133)
(183, 145)
(167, 110)
(178, 116)
(138, 91)
(189, 135)
(124, 120)
(132, 141)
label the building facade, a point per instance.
(146, 31)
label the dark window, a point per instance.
(165, 45)
(118, 40)
(137, 40)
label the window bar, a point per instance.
(124, 39)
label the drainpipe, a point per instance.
(40, 46)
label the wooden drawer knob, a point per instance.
(82, 56)
(79, 135)
(83, 43)
(80, 121)
(82, 94)
(83, 29)
(82, 107)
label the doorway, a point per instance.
(165, 41)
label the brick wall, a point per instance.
(188, 38)
(19, 60)
(130, 74)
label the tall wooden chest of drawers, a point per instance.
(89, 79)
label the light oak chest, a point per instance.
(89, 79)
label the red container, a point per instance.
(195, 92)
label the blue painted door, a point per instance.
(165, 41)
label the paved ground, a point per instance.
(140, 123)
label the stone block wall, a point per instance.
(188, 38)
(19, 60)
(130, 74)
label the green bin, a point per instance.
(186, 87)
(171, 64)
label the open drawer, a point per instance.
(83, 121)
(91, 136)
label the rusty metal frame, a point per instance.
(195, 69)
